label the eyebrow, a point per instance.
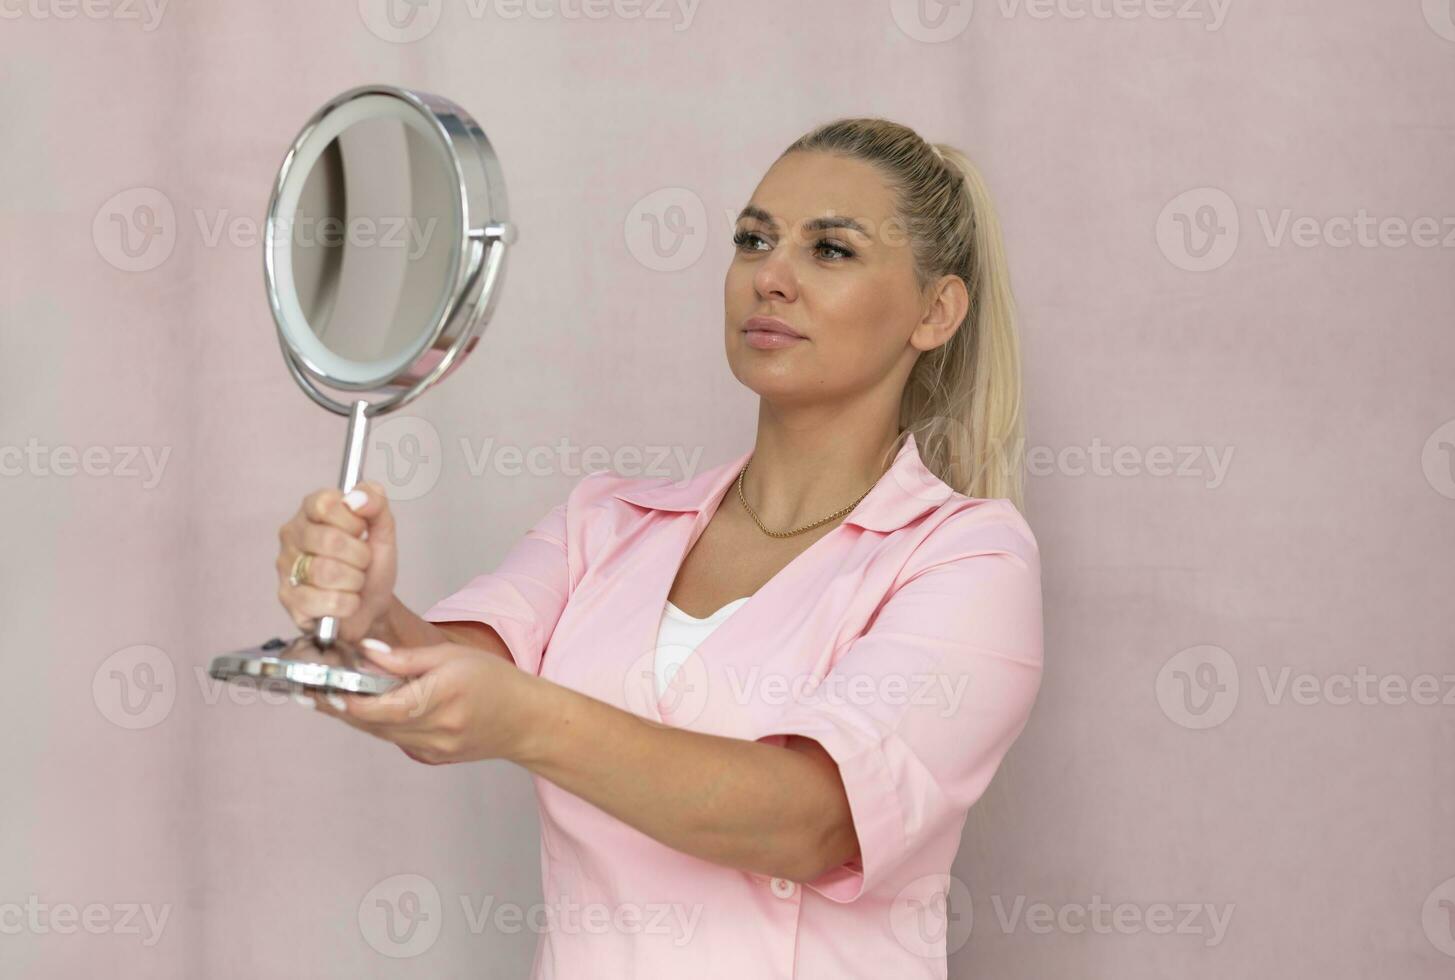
(817, 224)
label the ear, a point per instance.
(949, 304)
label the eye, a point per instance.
(744, 237)
(748, 240)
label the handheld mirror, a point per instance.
(383, 256)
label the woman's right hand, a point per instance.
(354, 565)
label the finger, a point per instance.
(409, 661)
(371, 501)
(382, 710)
(338, 706)
(327, 506)
(330, 542)
(368, 500)
(390, 718)
(305, 624)
(325, 573)
(405, 707)
(311, 601)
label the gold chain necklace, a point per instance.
(806, 527)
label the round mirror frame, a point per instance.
(480, 208)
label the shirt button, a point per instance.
(783, 888)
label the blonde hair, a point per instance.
(962, 400)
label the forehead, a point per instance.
(805, 185)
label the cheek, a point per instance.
(737, 287)
(861, 311)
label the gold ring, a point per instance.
(299, 574)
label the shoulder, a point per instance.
(978, 567)
(962, 527)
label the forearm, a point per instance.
(400, 626)
(739, 803)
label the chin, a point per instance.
(771, 378)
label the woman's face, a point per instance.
(848, 288)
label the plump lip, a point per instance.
(770, 324)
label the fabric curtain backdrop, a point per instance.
(1230, 234)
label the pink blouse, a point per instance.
(906, 641)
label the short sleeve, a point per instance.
(919, 710)
(522, 599)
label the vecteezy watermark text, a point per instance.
(404, 915)
(123, 462)
(63, 918)
(1204, 919)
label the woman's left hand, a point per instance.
(457, 703)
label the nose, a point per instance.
(775, 277)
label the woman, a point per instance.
(759, 703)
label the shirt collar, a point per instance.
(906, 491)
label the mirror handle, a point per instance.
(356, 442)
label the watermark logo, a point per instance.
(1359, 230)
(407, 234)
(681, 11)
(1440, 15)
(933, 915)
(938, 692)
(403, 21)
(400, 21)
(1198, 230)
(1208, 463)
(666, 231)
(650, 461)
(405, 456)
(1438, 917)
(135, 687)
(949, 438)
(1364, 686)
(1204, 919)
(932, 21)
(675, 677)
(401, 916)
(684, 692)
(135, 230)
(1212, 14)
(1198, 687)
(1438, 460)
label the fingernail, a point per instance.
(304, 700)
(337, 703)
(376, 646)
(355, 499)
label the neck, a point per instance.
(803, 469)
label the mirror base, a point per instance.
(301, 666)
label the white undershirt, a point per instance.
(680, 634)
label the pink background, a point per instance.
(1164, 762)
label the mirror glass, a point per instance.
(371, 245)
